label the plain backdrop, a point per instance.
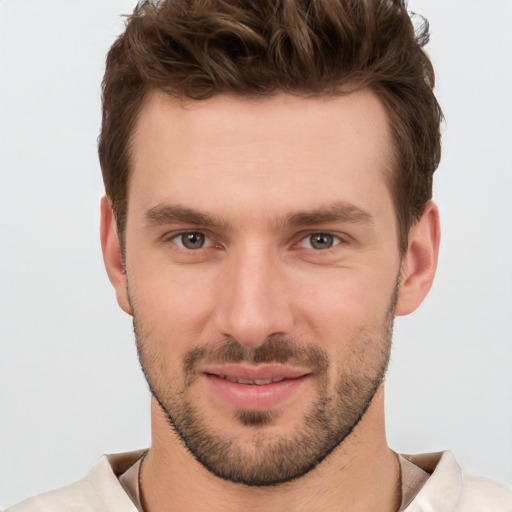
(70, 384)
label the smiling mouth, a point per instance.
(256, 388)
(259, 375)
(250, 382)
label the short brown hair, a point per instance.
(198, 48)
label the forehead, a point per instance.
(275, 152)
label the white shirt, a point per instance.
(447, 489)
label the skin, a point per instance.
(263, 169)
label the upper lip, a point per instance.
(256, 372)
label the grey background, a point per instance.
(70, 387)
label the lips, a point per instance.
(273, 372)
(254, 387)
(255, 382)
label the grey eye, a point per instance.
(321, 241)
(192, 240)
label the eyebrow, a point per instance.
(172, 214)
(337, 212)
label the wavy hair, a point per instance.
(199, 48)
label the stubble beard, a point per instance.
(267, 459)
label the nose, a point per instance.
(254, 300)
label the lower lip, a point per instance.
(253, 397)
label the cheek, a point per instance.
(348, 301)
(354, 326)
(174, 302)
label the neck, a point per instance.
(361, 475)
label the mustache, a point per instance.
(275, 349)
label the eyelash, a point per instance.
(179, 236)
(337, 240)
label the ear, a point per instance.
(112, 256)
(420, 262)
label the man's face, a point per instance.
(262, 267)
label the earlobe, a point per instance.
(112, 255)
(420, 263)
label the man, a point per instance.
(268, 171)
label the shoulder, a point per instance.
(484, 494)
(99, 490)
(78, 496)
(452, 489)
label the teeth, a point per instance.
(244, 381)
(262, 382)
(257, 382)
